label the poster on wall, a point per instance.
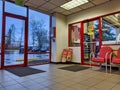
(75, 34)
(90, 30)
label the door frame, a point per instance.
(5, 14)
(82, 37)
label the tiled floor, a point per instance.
(58, 79)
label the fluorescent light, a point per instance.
(73, 4)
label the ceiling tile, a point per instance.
(75, 9)
(30, 5)
(52, 6)
(37, 2)
(58, 2)
(98, 1)
(14, 0)
(66, 12)
(87, 5)
(43, 9)
(48, 6)
(52, 12)
(59, 9)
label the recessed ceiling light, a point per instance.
(73, 4)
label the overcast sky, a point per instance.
(12, 8)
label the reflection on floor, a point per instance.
(58, 79)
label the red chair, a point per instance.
(104, 56)
(116, 60)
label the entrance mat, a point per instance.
(24, 71)
(74, 68)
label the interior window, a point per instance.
(110, 29)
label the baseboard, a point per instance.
(65, 63)
(54, 62)
(113, 67)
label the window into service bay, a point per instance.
(96, 32)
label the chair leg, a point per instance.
(110, 68)
(91, 64)
(119, 68)
(90, 61)
(106, 67)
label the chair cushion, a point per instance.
(98, 59)
(116, 60)
(118, 53)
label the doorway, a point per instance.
(91, 38)
(14, 40)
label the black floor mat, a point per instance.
(24, 71)
(74, 68)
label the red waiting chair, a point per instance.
(116, 60)
(104, 56)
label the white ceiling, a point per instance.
(53, 6)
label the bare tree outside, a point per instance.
(38, 33)
(10, 35)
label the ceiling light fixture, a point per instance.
(73, 4)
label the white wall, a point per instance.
(99, 10)
(53, 41)
(76, 54)
(53, 51)
(61, 35)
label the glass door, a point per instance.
(91, 39)
(13, 43)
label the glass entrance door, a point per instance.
(13, 41)
(91, 39)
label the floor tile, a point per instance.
(79, 87)
(92, 88)
(116, 87)
(91, 82)
(15, 87)
(57, 79)
(105, 85)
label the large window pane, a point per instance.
(110, 29)
(38, 37)
(15, 9)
